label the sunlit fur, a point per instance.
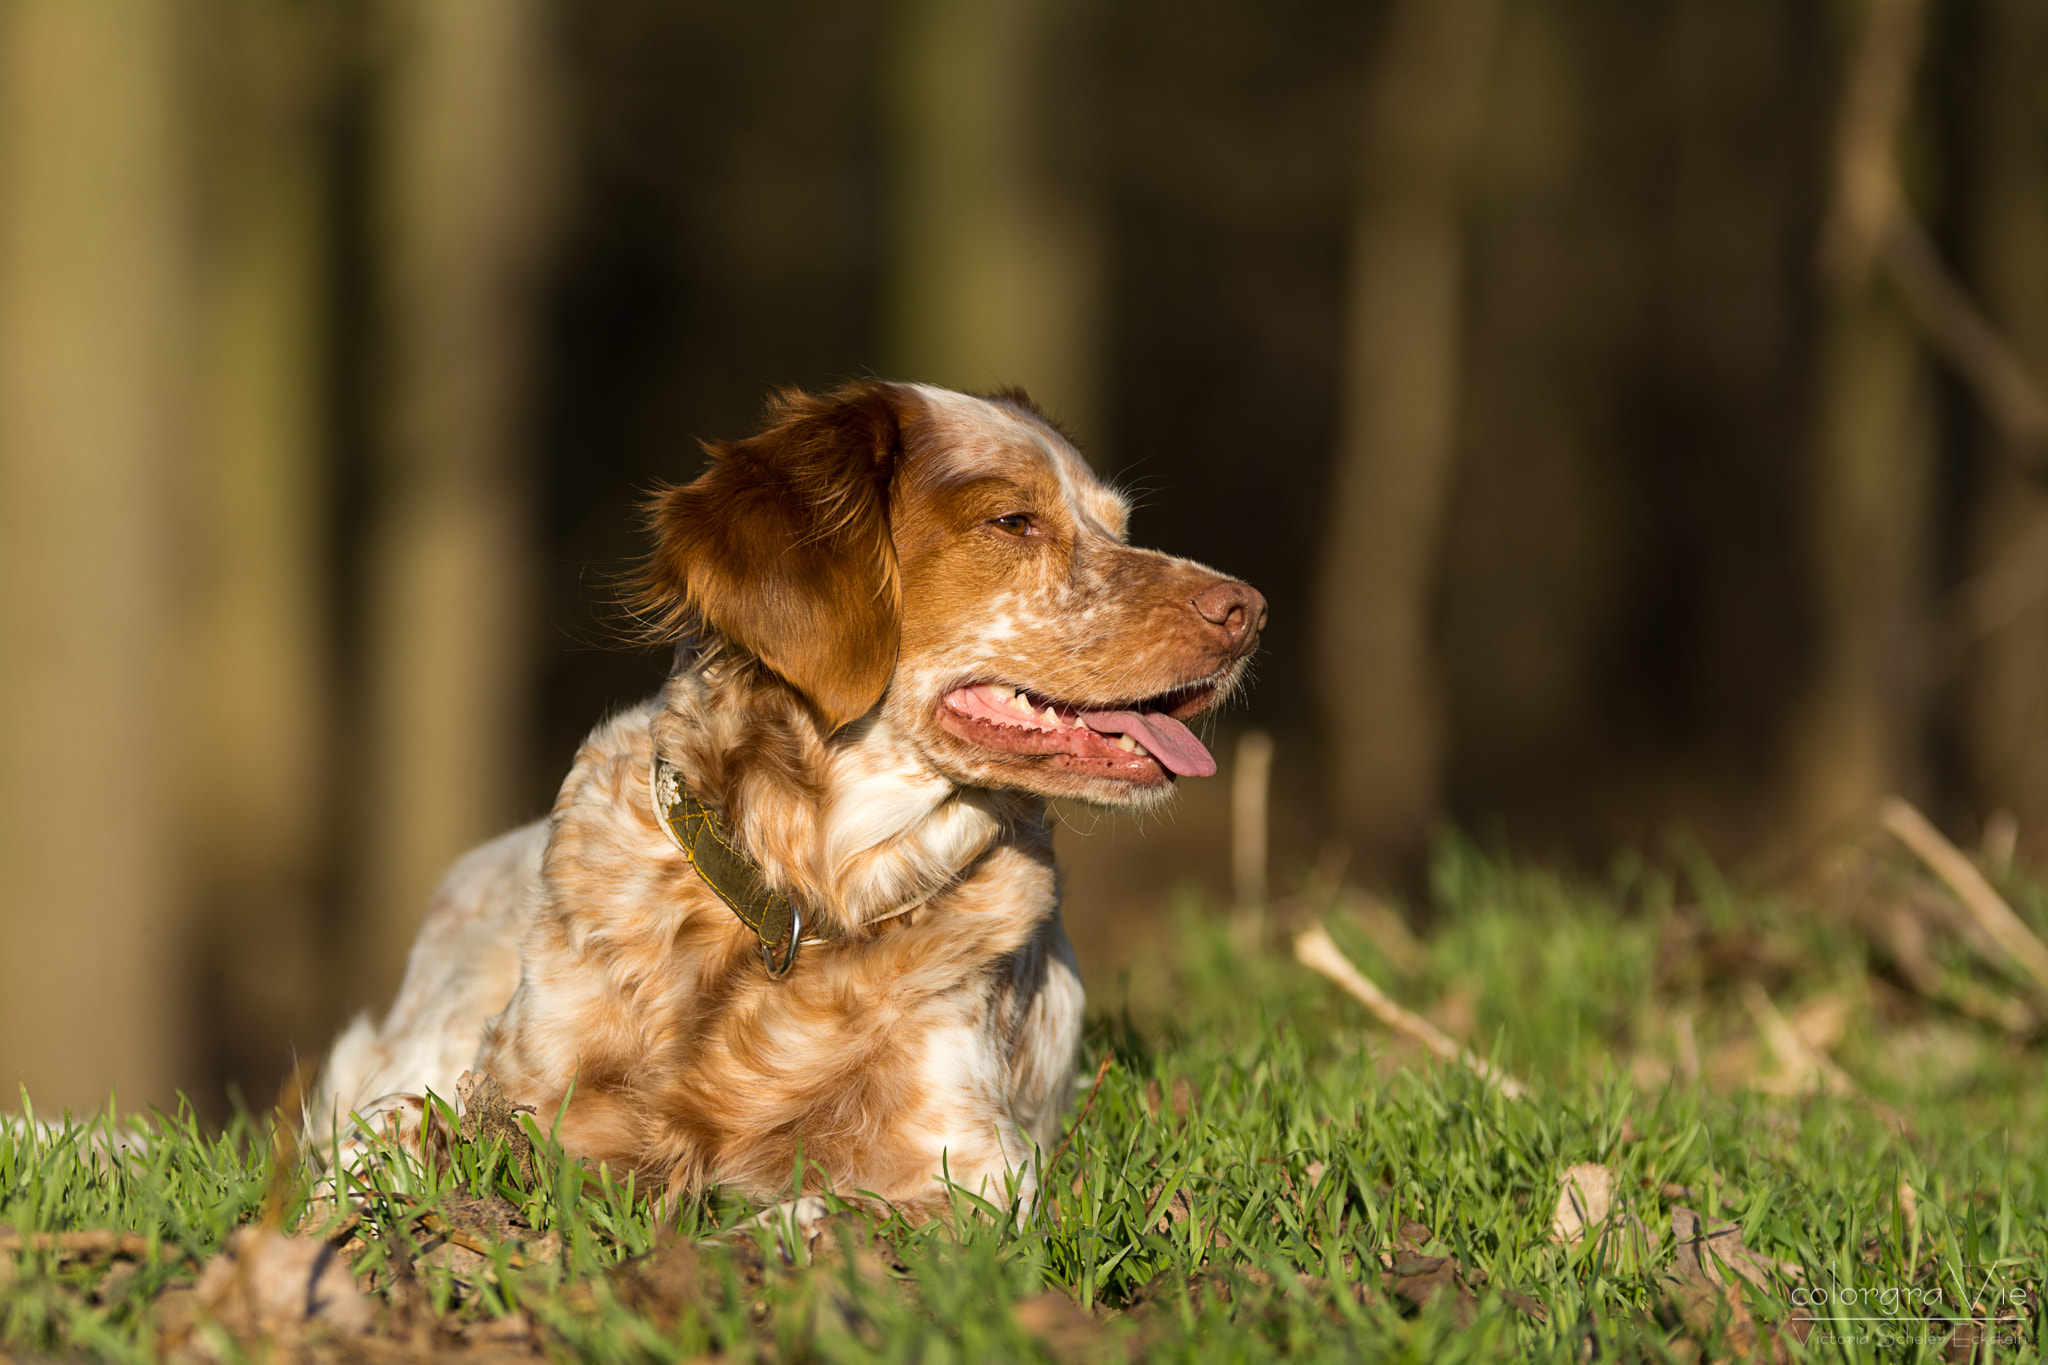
(832, 578)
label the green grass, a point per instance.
(1243, 1175)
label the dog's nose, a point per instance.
(1237, 610)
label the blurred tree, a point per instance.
(723, 233)
(1862, 723)
(259, 653)
(997, 244)
(94, 368)
(1402, 367)
(1632, 515)
(2004, 614)
(462, 204)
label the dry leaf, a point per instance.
(660, 1284)
(1700, 1246)
(1066, 1331)
(851, 1241)
(1583, 1204)
(1822, 1022)
(457, 1232)
(1420, 1279)
(466, 1228)
(266, 1284)
(1175, 1211)
(1705, 1297)
(493, 1218)
(114, 1284)
(673, 1276)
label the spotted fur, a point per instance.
(833, 579)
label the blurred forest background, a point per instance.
(1631, 409)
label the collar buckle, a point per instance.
(722, 865)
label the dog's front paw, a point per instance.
(406, 1122)
(796, 1223)
(386, 1125)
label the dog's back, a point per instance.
(463, 968)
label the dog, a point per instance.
(801, 905)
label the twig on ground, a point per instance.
(1390, 933)
(1087, 1106)
(1317, 952)
(1807, 1069)
(436, 1226)
(93, 1242)
(1903, 936)
(1985, 905)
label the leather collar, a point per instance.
(696, 829)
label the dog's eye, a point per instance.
(1016, 523)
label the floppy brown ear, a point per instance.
(783, 547)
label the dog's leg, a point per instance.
(1046, 1043)
(1013, 1185)
(796, 1223)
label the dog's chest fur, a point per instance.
(902, 1036)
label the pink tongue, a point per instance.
(1172, 743)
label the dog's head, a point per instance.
(952, 562)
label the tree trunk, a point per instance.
(1399, 428)
(93, 314)
(1861, 727)
(260, 700)
(2005, 722)
(1860, 730)
(463, 137)
(997, 248)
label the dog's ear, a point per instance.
(783, 547)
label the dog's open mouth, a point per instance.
(1137, 742)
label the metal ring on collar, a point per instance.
(796, 936)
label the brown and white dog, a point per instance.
(907, 616)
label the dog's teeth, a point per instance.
(1080, 724)
(999, 693)
(1126, 743)
(1138, 748)
(1053, 717)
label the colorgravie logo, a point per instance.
(1875, 1303)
